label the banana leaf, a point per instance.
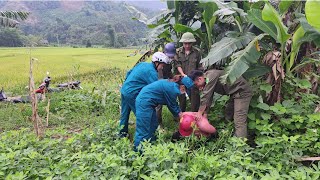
(256, 70)
(241, 61)
(296, 44)
(225, 47)
(312, 9)
(255, 17)
(9, 18)
(270, 14)
(284, 6)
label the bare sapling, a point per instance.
(48, 105)
(48, 111)
(37, 123)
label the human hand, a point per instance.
(180, 115)
(198, 116)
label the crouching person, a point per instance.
(190, 124)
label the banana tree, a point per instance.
(162, 25)
(270, 21)
(241, 60)
(190, 16)
(209, 8)
(271, 15)
(204, 17)
(10, 18)
(240, 43)
(304, 33)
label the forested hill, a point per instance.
(103, 23)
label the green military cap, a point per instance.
(187, 37)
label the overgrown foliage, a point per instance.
(82, 139)
(283, 123)
(98, 152)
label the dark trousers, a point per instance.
(194, 99)
(159, 115)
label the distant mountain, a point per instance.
(106, 23)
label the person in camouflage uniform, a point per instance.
(188, 59)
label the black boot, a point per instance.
(123, 135)
(213, 136)
(176, 136)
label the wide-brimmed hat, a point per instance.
(188, 38)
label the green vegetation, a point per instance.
(250, 39)
(269, 40)
(60, 62)
(9, 18)
(87, 20)
(95, 68)
(81, 140)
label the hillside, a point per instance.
(77, 23)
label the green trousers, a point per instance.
(237, 109)
(240, 94)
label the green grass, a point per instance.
(99, 70)
(60, 62)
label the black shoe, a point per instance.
(176, 136)
(123, 135)
(213, 136)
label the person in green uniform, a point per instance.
(188, 59)
(240, 94)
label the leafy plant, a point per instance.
(241, 61)
(226, 46)
(10, 18)
(312, 13)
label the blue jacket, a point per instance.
(141, 75)
(161, 92)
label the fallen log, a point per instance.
(309, 159)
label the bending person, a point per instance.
(162, 92)
(237, 108)
(141, 75)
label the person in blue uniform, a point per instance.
(141, 75)
(166, 73)
(161, 92)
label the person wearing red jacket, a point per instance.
(190, 125)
